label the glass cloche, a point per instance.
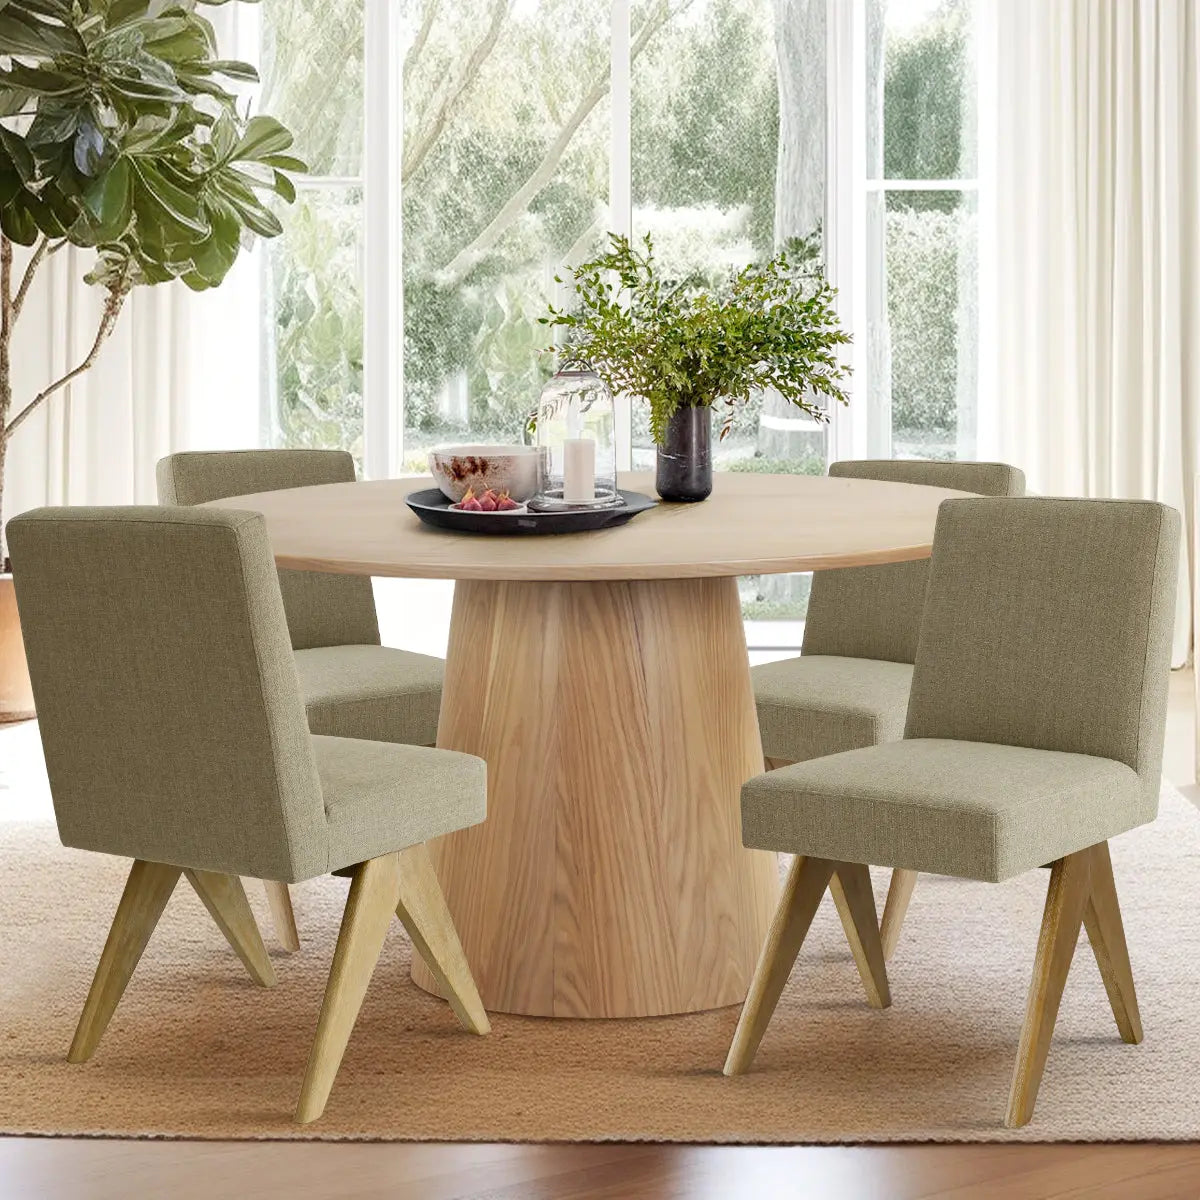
(576, 429)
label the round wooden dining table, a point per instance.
(604, 679)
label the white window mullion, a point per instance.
(921, 185)
(620, 180)
(383, 287)
(845, 210)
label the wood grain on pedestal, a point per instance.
(604, 679)
(618, 723)
(16, 692)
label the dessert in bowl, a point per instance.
(489, 502)
(511, 470)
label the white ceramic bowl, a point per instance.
(511, 469)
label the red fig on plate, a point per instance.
(488, 502)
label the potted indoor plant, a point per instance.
(118, 135)
(689, 346)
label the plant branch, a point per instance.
(112, 310)
(425, 141)
(35, 261)
(418, 43)
(516, 204)
(6, 257)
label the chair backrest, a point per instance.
(1048, 624)
(875, 612)
(166, 688)
(322, 609)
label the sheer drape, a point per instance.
(179, 371)
(1092, 227)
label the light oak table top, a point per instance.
(751, 525)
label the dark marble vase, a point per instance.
(684, 468)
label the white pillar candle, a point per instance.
(579, 470)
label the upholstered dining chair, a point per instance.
(849, 687)
(1034, 733)
(352, 686)
(174, 733)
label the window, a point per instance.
(311, 63)
(505, 178)
(515, 133)
(920, 267)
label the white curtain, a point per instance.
(1091, 277)
(180, 371)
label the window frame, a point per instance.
(853, 432)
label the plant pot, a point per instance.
(684, 465)
(16, 694)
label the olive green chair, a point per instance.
(849, 687)
(352, 686)
(174, 732)
(1034, 733)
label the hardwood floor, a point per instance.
(86, 1169)
(56, 1169)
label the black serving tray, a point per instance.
(431, 505)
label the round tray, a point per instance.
(434, 509)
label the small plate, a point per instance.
(434, 509)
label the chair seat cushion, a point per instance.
(371, 692)
(972, 809)
(820, 704)
(381, 796)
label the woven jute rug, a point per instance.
(196, 1050)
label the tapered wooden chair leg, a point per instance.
(1066, 899)
(422, 908)
(374, 893)
(1106, 932)
(895, 908)
(225, 899)
(776, 764)
(147, 891)
(851, 888)
(806, 883)
(282, 916)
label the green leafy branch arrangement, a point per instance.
(118, 134)
(686, 342)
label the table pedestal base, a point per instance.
(618, 724)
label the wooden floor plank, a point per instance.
(94, 1169)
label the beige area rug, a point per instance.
(195, 1050)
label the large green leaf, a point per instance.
(17, 153)
(53, 125)
(161, 201)
(10, 183)
(254, 214)
(179, 41)
(58, 10)
(284, 162)
(41, 82)
(21, 33)
(17, 222)
(283, 187)
(263, 135)
(224, 136)
(233, 69)
(109, 200)
(13, 101)
(213, 258)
